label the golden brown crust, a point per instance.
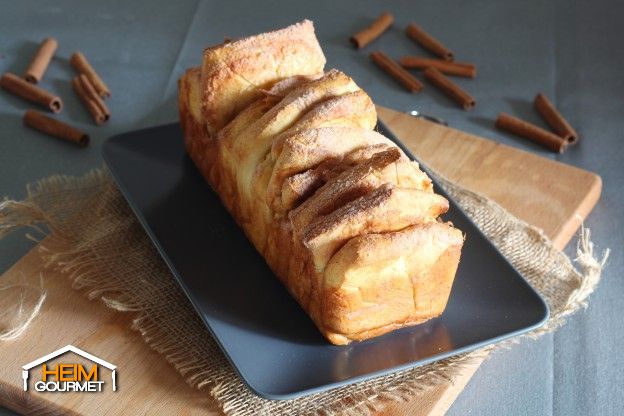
(297, 155)
(234, 73)
(197, 140)
(346, 187)
(387, 208)
(345, 220)
(408, 275)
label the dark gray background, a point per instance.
(571, 51)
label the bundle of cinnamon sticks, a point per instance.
(88, 86)
(437, 71)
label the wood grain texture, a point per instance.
(147, 383)
(522, 182)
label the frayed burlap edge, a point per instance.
(92, 228)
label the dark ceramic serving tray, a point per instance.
(268, 338)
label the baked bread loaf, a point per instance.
(346, 221)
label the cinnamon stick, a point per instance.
(41, 60)
(450, 88)
(531, 131)
(373, 31)
(554, 119)
(461, 69)
(56, 128)
(428, 42)
(89, 101)
(82, 66)
(90, 90)
(24, 89)
(395, 71)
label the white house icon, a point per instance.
(61, 351)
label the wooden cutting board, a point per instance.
(543, 192)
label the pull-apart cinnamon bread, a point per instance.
(345, 220)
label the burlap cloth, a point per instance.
(106, 253)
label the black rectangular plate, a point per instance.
(268, 338)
